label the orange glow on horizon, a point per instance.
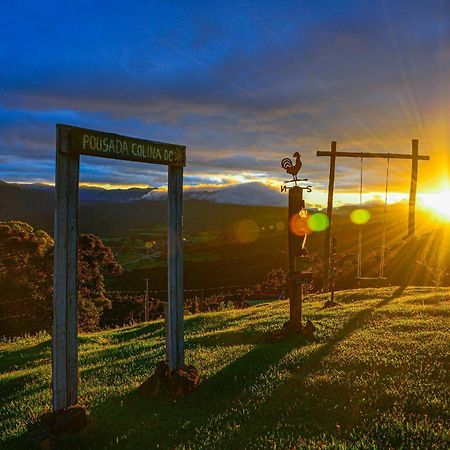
(439, 202)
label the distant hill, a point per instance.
(17, 202)
(116, 212)
(92, 194)
(249, 194)
(141, 208)
(213, 254)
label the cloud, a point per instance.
(256, 194)
(231, 83)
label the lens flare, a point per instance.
(299, 225)
(360, 216)
(245, 231)
(318, 222)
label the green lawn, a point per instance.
(377, 377)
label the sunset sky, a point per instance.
(241, 84)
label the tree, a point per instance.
(95, 260)
(26, 279)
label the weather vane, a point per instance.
(293, 169)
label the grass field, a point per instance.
(377, 377)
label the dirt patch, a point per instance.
(49, 430)
(289, 330)
(330, 304)
(164, 382)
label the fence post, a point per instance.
(175, 313)
(64, 331)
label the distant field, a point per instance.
(377, 377)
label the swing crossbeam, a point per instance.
(373, 155)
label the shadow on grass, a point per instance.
(293, 393)
(150, 328)
(23, 357)
(146, 421)
(141, 422)
(17, 386)
(117, 353)
(130, 421)
(250, 335)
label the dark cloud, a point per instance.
(242, 85)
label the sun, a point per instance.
(439, 202)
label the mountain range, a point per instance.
(254, 193)
(113, 212)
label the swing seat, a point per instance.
(371, 278)
(371, 281)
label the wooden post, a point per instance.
(64, 332)
(175, 310)
(333, 266)
(146, 301)
(327, 243)
(413, 188)
(166, 327)
(295, 243)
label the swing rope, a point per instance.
(359, 266)
(383, 238)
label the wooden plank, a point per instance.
(175, 319)
(64, 336)
(295, 243)
(83, 141)
(372, 155)
(326, 248)
(303, 278)
(413, 187)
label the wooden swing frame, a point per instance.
(333, 154)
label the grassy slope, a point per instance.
(378, 375)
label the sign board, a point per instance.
(303, 278)
(82, 141)
(301, 263)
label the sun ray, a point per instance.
(438, 202)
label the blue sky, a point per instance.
(241, 84)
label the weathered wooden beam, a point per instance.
(64, 332)
(413, 187)
(371, 155)
(295, 242)
(175, 308)
(327, 243)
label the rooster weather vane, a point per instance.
(293, 168)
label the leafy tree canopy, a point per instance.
(26, 279)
